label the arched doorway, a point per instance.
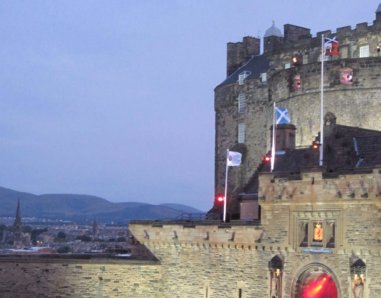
(316, 281)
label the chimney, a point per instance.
(284, 137)
(240, 52)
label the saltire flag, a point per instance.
(233, 159)
(281, 116)
(331, 46)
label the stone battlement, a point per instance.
(202, 232)
(312, 187)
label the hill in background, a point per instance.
(84, 208)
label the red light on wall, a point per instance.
(315, 145)
(267, 158)
(296, 59)
(219, 198)
(320, 287)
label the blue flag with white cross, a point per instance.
(281, 116)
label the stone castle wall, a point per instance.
(204, 259)
(36, 276)
(353, 201)
(227, 120)
(207, 261)
(353, 105)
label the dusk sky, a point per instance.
(115, 98)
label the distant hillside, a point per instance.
(85, 207)
(182, 208)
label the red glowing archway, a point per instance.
(318, 285)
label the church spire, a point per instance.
(17, 223)
(17, 228)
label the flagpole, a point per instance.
(273, 141)
(226, 185)
(322, 103)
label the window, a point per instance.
(325, 57)
(241, 103)
(303, 236)
(263, 77)
(242, 76)
(364, 51)
(318, 233)
(241, 132)
(332, 231)
(316, 230)
(305, 59)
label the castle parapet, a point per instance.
(201, 233)
(313, 187)
(344, 30)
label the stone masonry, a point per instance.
(356, 104)
(210, 259)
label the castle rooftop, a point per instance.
(346, 150)
(253, 69)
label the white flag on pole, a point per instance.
(233, 159)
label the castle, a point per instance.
(298, 230)
(288, 73)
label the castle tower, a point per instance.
(273, 39)
(244, 100)
(239, 53)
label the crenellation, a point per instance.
(344, 31)
(362, 27)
